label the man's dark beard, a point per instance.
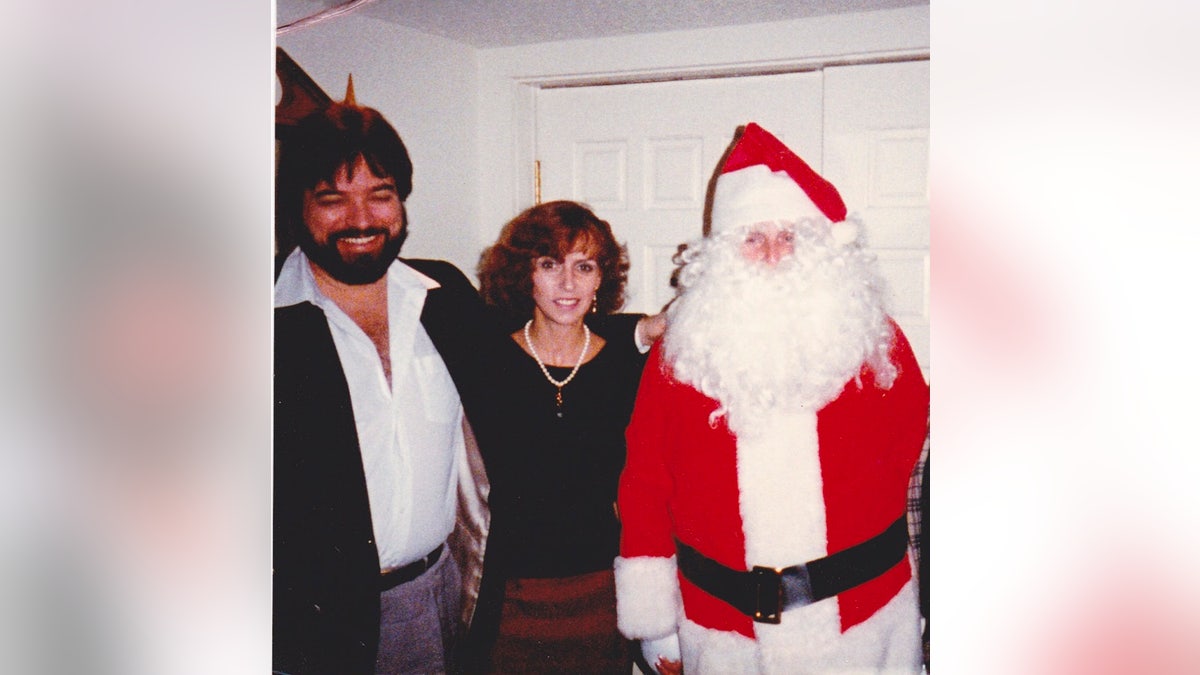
(365, 269)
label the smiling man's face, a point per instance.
(354, 225)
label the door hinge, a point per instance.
(537, 182)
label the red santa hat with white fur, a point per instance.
(762, 180)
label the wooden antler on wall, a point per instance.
(301, 94)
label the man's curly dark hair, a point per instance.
(553, 229)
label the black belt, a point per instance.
(764, 592)
(400, 575)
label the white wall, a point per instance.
(425, 86)
(466, 114)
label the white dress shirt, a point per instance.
(410, 433)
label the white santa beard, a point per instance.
(758, 338)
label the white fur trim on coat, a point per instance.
(648, 600)
(716, 652)
(889, 643)
(782, 500)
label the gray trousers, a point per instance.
(418, 620)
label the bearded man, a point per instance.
(777, 423)
(376, 358)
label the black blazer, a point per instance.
(326, 565)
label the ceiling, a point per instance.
(504, 23)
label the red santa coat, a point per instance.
(805, 485)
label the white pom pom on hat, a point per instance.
(762, 180)
(844, 233)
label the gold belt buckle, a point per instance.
(768, 594)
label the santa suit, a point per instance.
(798, 486)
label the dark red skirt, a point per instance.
(566, 625)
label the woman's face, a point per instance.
(563, 290)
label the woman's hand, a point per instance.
(651, 328)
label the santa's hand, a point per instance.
(663, 654)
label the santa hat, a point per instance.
(762, 180)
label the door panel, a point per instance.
(877, 154)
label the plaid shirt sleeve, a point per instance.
(917, 508)
(918, 512)
(916, 485)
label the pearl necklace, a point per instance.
(587, 341)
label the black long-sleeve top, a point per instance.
(554, 478)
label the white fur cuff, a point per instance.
(648, 600)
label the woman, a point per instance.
(548, 603)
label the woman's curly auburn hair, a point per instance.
(553, 229)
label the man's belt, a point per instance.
(402, 575)
(764, 592)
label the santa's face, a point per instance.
(768, 243)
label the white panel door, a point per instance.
(642, 155)
(877, 154)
